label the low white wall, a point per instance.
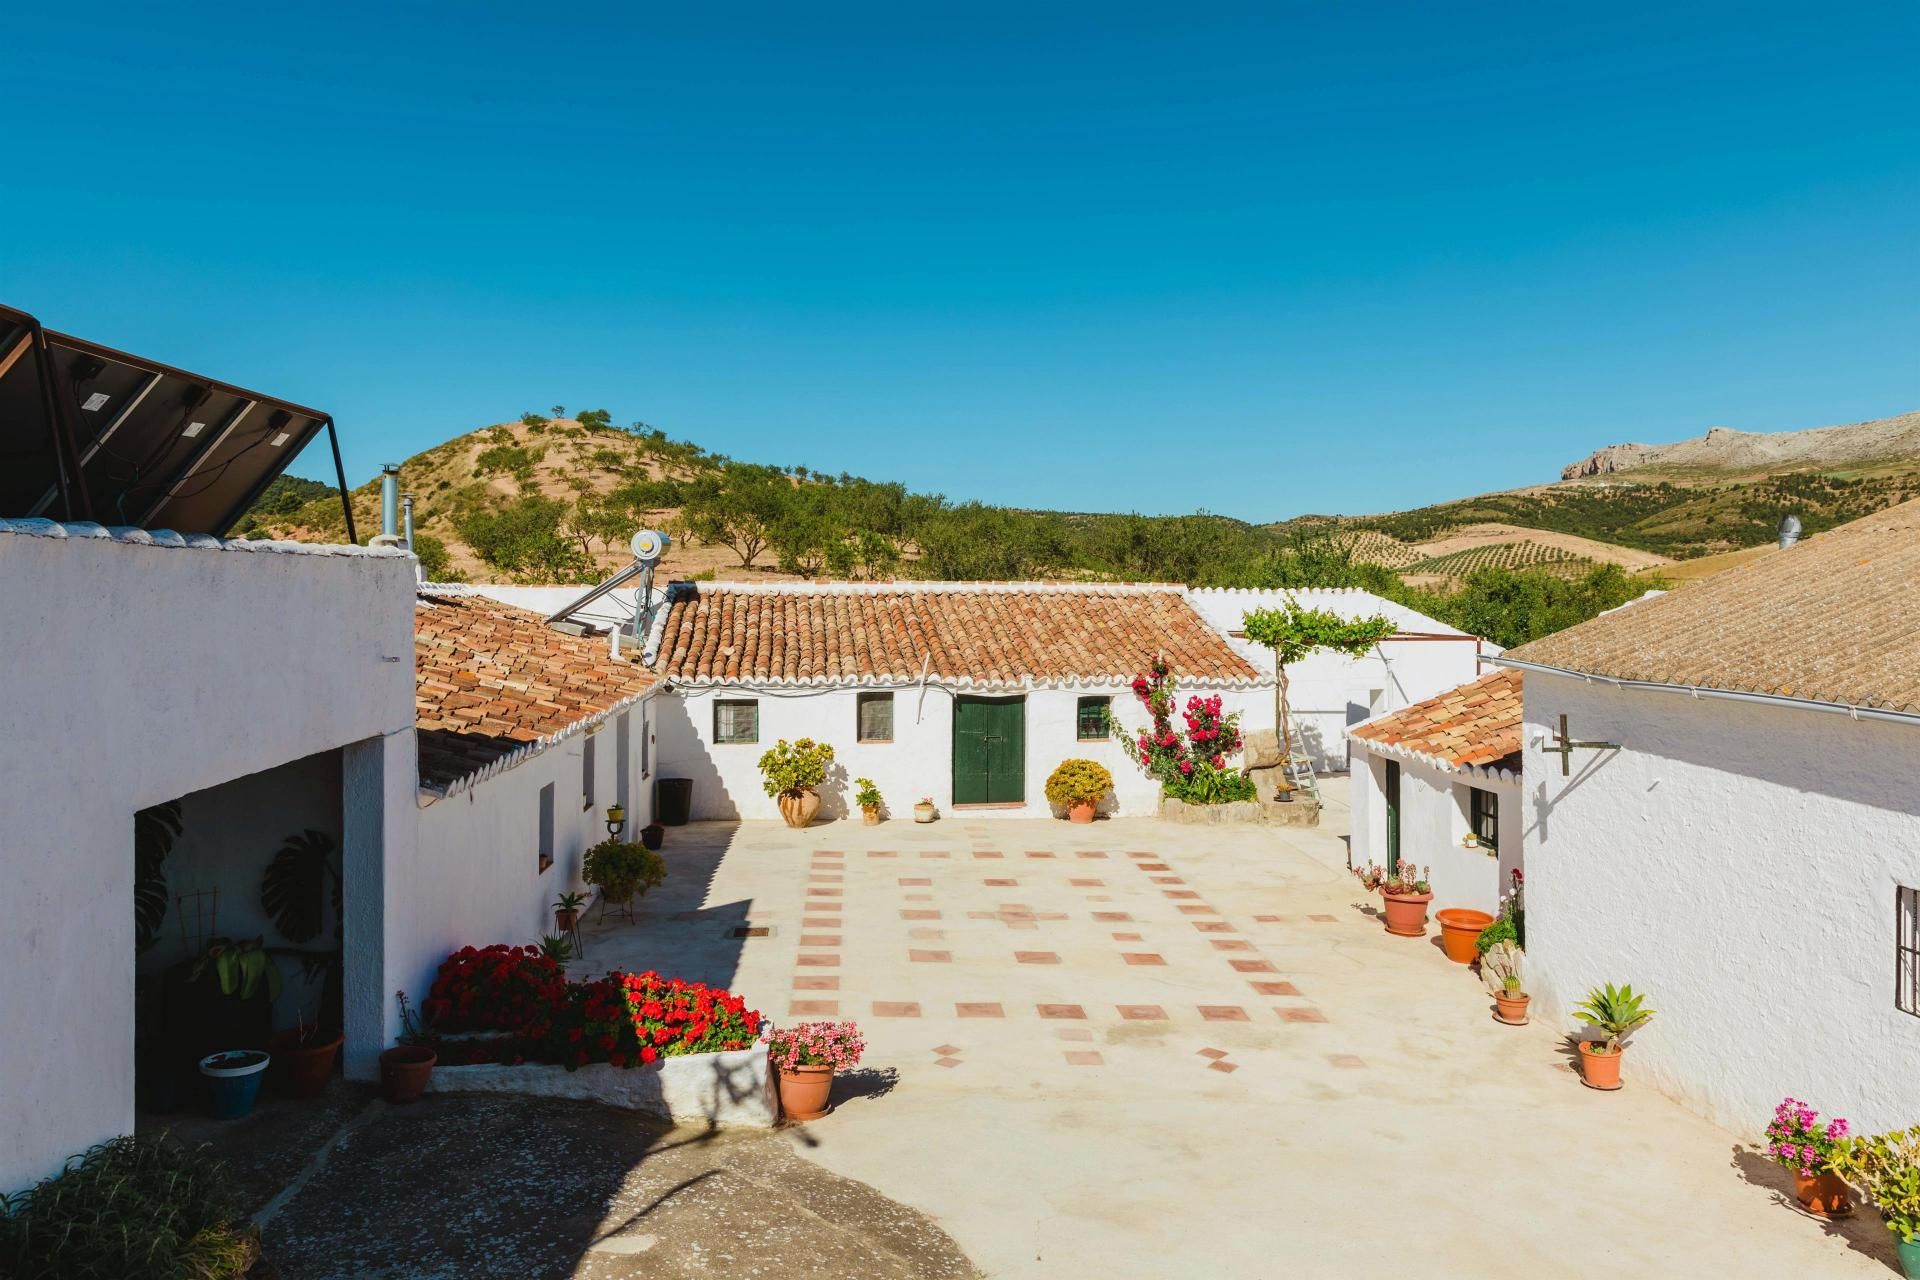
(919, 760)
(1739, 864)
(135, 674)
(1327, 692)
(732, 1090)
(1434, 819)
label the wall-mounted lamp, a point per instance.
(616, 820)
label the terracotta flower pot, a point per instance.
(799, 807)
(1824, 1194)
(565, 921)
(804, 1090)
(1406, 913)
(404, 1072)
(1459, 929)
(303, 1070)
(870, 813)
(1081, 812)
(1599, 1070)
(1511, 1010)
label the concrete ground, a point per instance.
(1133, 1048)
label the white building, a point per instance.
(1736, 830)
(1328, 692)
(1429, 776)
(968, 693)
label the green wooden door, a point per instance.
(1393, 815)
(989, 750)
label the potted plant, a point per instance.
(653, 835)
(303, 1058)
(1078, 786)
(1500, 969)
(1615, 1012)
(792, 773)
(566, 911)
(406, 1068)
(1404, 895)
(805, 1057)
(1797, 1141)
(621, 869)
(233, 1081)
(1887, 1167)
(923, 810)
(868, 798)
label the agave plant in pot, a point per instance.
(1615, 1012)
(1078, 786)
(805, 1056)
(566, 911)
(1886, 1167)
(406, 1068)
(1500, 969)
(1797, 1141)
(1404, 895)
(792, 773)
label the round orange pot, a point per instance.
(303, 1067)
(804, 1090)
(1459, 929)
(566, 921)
(1082, 812)
(1512, 1010)
(798, 807)
(1599, 1070)
(404, 1072)
(1824, 1194)
(1406, 913)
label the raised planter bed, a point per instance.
(733, 1088)
(1303, 812)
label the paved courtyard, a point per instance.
(1131, 1047)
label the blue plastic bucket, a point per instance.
(233, 1081)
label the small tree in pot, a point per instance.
(621, 870)
(868, 798)
(792, 773)
(1078, 786)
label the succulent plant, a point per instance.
(1501, 969)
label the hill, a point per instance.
(1725, 452)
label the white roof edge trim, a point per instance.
(921, 586)
(1730, 695)
(1483, 772)
(429, 794)
(904, 681)
(127, 535)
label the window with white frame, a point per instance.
(875, 717)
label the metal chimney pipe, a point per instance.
(406, 519)
(1789, 531)
(390, 499)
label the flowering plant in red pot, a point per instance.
(1799, 1142)
(806, 1055)
(1404, 895)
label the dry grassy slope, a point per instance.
(1726, 454)
(570, 460)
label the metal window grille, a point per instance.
(1095, 718)
(546, 826)
(736, 721)
(1906, 950)
(586, 774)
(876, 717)
(1484, 812)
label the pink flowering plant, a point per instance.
(1798, 1140)
(1191, 763)
(816, 1044)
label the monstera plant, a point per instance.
(154, 831)
(299, 882)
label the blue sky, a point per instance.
(1263, 260)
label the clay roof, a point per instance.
(979, 634)
(490, 680)
(1475, 724)
(1835, 619)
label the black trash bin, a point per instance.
(672, 801)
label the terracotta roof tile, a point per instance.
(1835, 619)
(1477, 723)
(490, 678)
(976, 633)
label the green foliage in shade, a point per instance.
(621, 869)
(241, 967)
(1886, 1166)
(1613, 1010)
(299, 882)
(154, 831)
(1078, 782)
(145, 1207)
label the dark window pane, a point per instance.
(736, 721)
(1095, 718)
(876, 717)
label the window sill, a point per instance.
(546, 864)
(874, 742)
(992, 804)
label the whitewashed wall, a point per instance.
(135, 674)
(1327, 692)
(1738, 863)
(918, 762)
(1434, 819)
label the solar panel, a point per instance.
(90, 433)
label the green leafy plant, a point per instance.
(1295, 632)
(241, 968)
(1617, 1011)
(557, 949)
(295, 888)
(1078, 782)
(789, 768)
(1887, 1167)
(570, 902)
(1207, 784)
(1499, 931)
(154, 831)
(621, 869)
(866, 795)
(131, 1206)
